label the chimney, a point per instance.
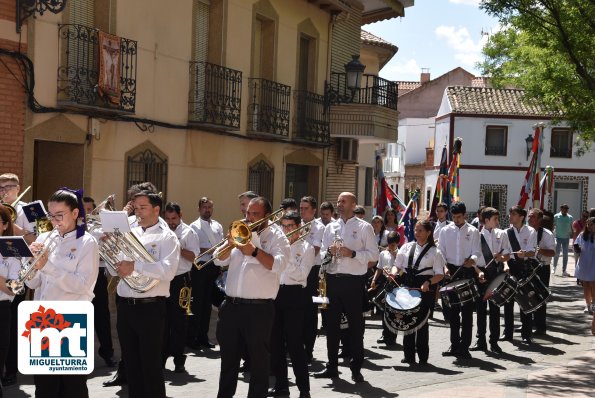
(429, 158)
(425, 75)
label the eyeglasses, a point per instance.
(287, 226)
(6, 188)
(55, 217)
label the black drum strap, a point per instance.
(539, 235)
(485, 250)
(514, 242)
(418, 261)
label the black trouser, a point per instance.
(344, 293)
(381, 284)
(461, 318)
(481, 308)
(539, 316)
(203, 284)
(288, 336)
(419, 341)
(140, 329)
(5, 326)
(11, 362)
(175, 330)
(249, 326)
(62, 386)
(311, 311)
(517, 270)
(103, 326)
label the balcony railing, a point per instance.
(374, 91)
(268, 111)
(215, 95)
(312, 121)
(78, 73)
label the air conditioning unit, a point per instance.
(347, 150)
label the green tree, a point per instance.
(547, 48)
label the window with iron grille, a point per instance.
(496, 137)
(561, 143)
(261, 178)
(147, 165)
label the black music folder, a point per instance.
(14, 246)
(34, 210)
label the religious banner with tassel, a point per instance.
(531, 185)
(110, 55)
(546, 185)
(454, 179)
(442, 190)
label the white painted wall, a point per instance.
(416, 134)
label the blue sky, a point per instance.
(435, 34)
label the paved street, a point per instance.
(561, 364)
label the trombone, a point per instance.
(302, 230)
(12, 207)
(241, 234)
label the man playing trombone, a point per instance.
(290, 307)
(246, 315)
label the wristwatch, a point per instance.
(353, 253)
(255, 252)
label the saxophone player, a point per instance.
(141, 316)
(68, 271)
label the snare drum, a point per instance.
(459, 293)
(502, 289)
(532, 294)
(404, 311)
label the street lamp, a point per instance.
(335, 92)
(529, 142)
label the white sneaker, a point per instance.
(553, 270)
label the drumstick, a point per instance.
(493, 259)
(392, 278)
(460, 268)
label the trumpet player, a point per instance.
(176, 326)
(141, 316)
(290, 307)
(246, 315)
(346, 282)
(66, 271)
(9, 269)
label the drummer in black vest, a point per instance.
(546, 249)
(459, 243)
(424, 268)
(523, 240)
(495, 250)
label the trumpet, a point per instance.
(12, 207)
(241, 234)
(185, 300)
(28, 269)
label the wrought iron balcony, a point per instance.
(215, 95)
(78, 72)
(312, 121)
(374, 91)
(268, 111)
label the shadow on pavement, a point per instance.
(478, 363)
(429, 368)
(364, 389)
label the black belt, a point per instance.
(292, 286)
(240, 300)
(142, 300)
(344, 276)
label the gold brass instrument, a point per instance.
(28, 269)
(93, 217)
(303, 230)
(12, 207)
(322, 289)
(185, 299)
(241, 234)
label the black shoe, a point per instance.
(506, 338)
(463, 354)
(357, 376)
(344, 354)
(9, 380)
(479, 346)
(117, 380)
(451, 352)
(328, 373)
(278, 392)
(309, 358)
(540, 332)
(527, 341)
(518, 329)
(205, 344)
(381, 340)
(495, 348)
(109, 362)
(305, 394)
(244, 367)
(409, 361)
(179, 369)
(423, 362)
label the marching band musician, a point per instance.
(103, 326)
(442, 220)
(546, 249)
(386, 260)
(9, 269)
(346, 282)
(523, 241)
(209, 233)
(141, 316)
(459, 243)
(308, 207)
(424, 265)
(246, 315)
(290, 307)
(495, 250)
(67, 272)
(176, 325)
